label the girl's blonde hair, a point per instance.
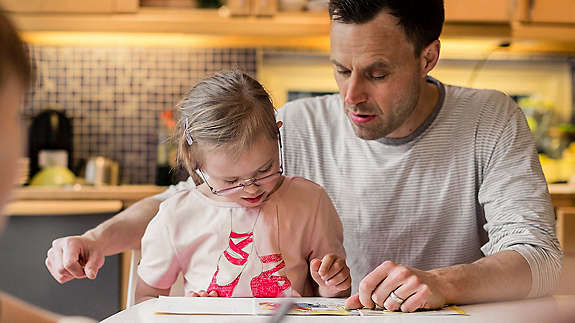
(228, 110)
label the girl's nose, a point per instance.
(251, 188)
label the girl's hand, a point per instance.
(332, 276)
(203, 293)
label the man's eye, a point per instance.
(343, 72)
(231, 182)
(379, 76)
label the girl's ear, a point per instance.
(280, 124)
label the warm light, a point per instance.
(171, 40)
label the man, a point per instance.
(439, 188)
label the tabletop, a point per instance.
(559, 309)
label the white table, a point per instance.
(549, 309)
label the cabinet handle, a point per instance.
(530, 7)
(512, 10)
(517, 10)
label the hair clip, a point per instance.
(189, 138)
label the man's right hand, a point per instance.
(74, 257)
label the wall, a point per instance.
(550, 78)
(547, 78)
(114, 96)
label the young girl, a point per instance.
(247, 231)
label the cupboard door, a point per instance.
(546, 11)
(23, 247)
(70, 6)
(492, 11)
(566, 229)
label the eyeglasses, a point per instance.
(250, 181)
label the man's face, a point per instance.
(378, 75)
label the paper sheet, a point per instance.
(205, 305)
(267, 306)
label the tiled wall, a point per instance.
(114, 96)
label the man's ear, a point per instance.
(280, 124)
(429, 57)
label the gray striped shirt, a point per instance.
(465, 184)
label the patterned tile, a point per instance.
(114, 96)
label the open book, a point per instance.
(267, 306)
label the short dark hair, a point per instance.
(13, 54)
(422, 20)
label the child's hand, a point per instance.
(203, 293)
(332, 275)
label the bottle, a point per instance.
(166, 162)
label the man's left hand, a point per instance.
(413, 289)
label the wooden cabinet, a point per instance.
(544, 20)
(70, 6)
(490, 11)
(551, 23)
(566, 229)
(546, 11)
(23, 247)
(504, 11)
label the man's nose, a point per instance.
(355, 91)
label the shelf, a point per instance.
(207, 28)
(122, 192)
(51, 207)
(210, 22)
(192, 21)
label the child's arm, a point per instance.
(144, 291)
(331, 275)
(327, 256)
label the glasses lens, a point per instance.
(229, 191)
(258, 181)
(266, 179)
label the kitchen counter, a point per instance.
(77, 199)
(562, 194)
(87, 205)
(563, 198)
(78, 192)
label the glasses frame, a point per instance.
(247, 182)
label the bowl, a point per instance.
(53, 176)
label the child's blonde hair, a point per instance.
(228, 110)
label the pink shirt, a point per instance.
(238, 251)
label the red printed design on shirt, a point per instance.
(267, 284)
(237, 263)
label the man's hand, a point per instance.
(332, 276)
(74, 257)
(413, 289)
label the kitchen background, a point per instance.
(116, 68)
(116, 92)
(115, 97)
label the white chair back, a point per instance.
(176, 290)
